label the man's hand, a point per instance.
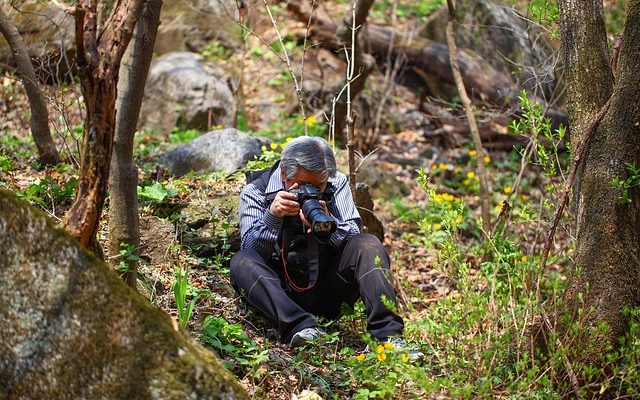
(285, 204)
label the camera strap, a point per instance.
(313, 264)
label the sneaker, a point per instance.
(305, 336)
(400, 345)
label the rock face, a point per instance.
(48, 32)
(181, 92)
(226, 150)
(70, 328)
(191, 25)
(497, 32)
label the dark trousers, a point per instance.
(360, 270)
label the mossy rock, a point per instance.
(70, 328)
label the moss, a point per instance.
(71, 328)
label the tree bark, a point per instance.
(99, 55)
(123, 199)
(607, 256)
(48, 154)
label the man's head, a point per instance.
(307, 159)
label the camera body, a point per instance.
(308, 196)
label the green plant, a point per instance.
(215, 50)
(6, 162)
(47, 192)
(127, 256)
(156, 192)
(180, 137)
(180, 289)
(632, 180)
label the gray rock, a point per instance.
(156, 238)
(71, 328)
(48, 32)
(191, 25)
(225, 150)
(181, 92)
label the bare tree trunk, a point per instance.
(607, 253)
(123, 181)
(361, 63)
(473, 126)
(48, 154)
(99, 56)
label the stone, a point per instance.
(156, 238)
(182, 92)
(48, 31)
(191, 26)
(71, 328)
(224, 150)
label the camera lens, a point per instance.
(322, 225)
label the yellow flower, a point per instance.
(404, 357)
(457, 169)
(524, 259)
(380, 349)
(507, 189)
(283, 145)
(263, 148)
(436, 227)
(486, 159)
(388, 346)
(466, 182)
(459, 218)
(442, 166)
(273, 146)
(473, 153)
(219, 126)
(311, 120)
(288, 139)
(471, 174)
(434, 167)
(360, 357)
(382, 356)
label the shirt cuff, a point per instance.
(271, 221)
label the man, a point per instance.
(273, 270)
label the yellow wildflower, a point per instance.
(388, 346)
(507, 189)
(311, 120)
(459, 218)
(473, 153)
(219, 126)
(382, 356)
(442, 166)
(273, 146)
(466, 182)
(288, 139)
(379, 349)
(486, 159)
(436, 227)
(457, 169)
(404, 357)
(282, 145)
(360, 357)
(263, 148)
(471, 174)
(523, 259)
(434, 167)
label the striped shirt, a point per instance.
(259, 228)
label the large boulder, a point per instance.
(192, 25)
(70, 328)
(224, 150)
(507, 40)
(48, 32)
(182, 92)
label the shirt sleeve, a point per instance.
(259, 228)
(343, 209)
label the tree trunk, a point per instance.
(99, 57)
(607, 256)
(48, 154)
(123, 181)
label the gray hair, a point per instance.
(308, 152)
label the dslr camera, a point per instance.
(309, 198)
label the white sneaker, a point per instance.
(306, 336)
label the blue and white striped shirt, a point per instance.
(259, 228)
